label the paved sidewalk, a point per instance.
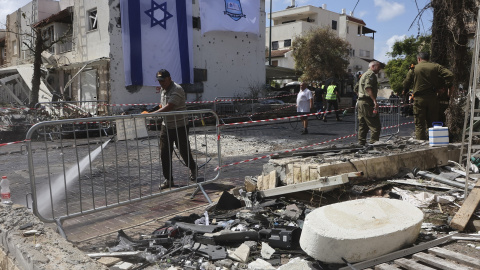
(91, 232)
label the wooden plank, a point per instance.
(460, 220)
(411, 264)
(454, 256)
(385, 266)
(323, 183)
(400, 253)
(439, 262)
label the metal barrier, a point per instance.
(389, 110)
(230, 108)
(87, 171)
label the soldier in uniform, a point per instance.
(368, 117)
(426, 79)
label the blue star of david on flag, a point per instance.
(151, 13)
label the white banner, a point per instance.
(230, 15)
(157, 34)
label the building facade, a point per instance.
(294, 21)
(87, 65)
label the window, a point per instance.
(196, 22)
(287, 43)
(275, 45)
(348, 30)
(334, 25)
(359, 30)
(92, 19)
(49, 37)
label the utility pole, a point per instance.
(270, 38)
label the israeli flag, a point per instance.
(157, 34)
(230, 15)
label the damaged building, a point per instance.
(85, 61)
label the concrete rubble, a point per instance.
(372, 212)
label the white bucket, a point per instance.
(438, 135)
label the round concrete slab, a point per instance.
(359, 230)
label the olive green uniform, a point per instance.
(367, 120)
(426, 79)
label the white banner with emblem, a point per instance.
(230, 15)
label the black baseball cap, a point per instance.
(162, 74)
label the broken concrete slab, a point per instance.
(360, 229)
(240, 254)
(294, 170)
(297, 264)
(267, 251)
(326, 183)
(108, 261)
(260, 264)
(292, 212)
(39, 252)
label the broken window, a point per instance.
(92, 19)
(49, 37)
(334, 25)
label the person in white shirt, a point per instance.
(304, 105)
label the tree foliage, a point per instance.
(404, 53)
(320, 54)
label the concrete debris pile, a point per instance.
(230, 235)
(15, 120)
(28, 244)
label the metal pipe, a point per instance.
(438, 178)
(270, 38)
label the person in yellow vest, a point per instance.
(367, 106)
(332, 99)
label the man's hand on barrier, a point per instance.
(145, 112)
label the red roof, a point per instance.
(64, 16)
(353, 19)
(279, 53)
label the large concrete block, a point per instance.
(294, 170)
(359, 230)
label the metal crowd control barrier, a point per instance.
(389, 110)
(230, 108)
(87, 171)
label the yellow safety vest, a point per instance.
(331, 93)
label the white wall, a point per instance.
(233, 62)
(91, 44)
(321, 18)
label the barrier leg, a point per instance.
(200, 187)
(60, 228)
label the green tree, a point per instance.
(404, 53)
(320, 54)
